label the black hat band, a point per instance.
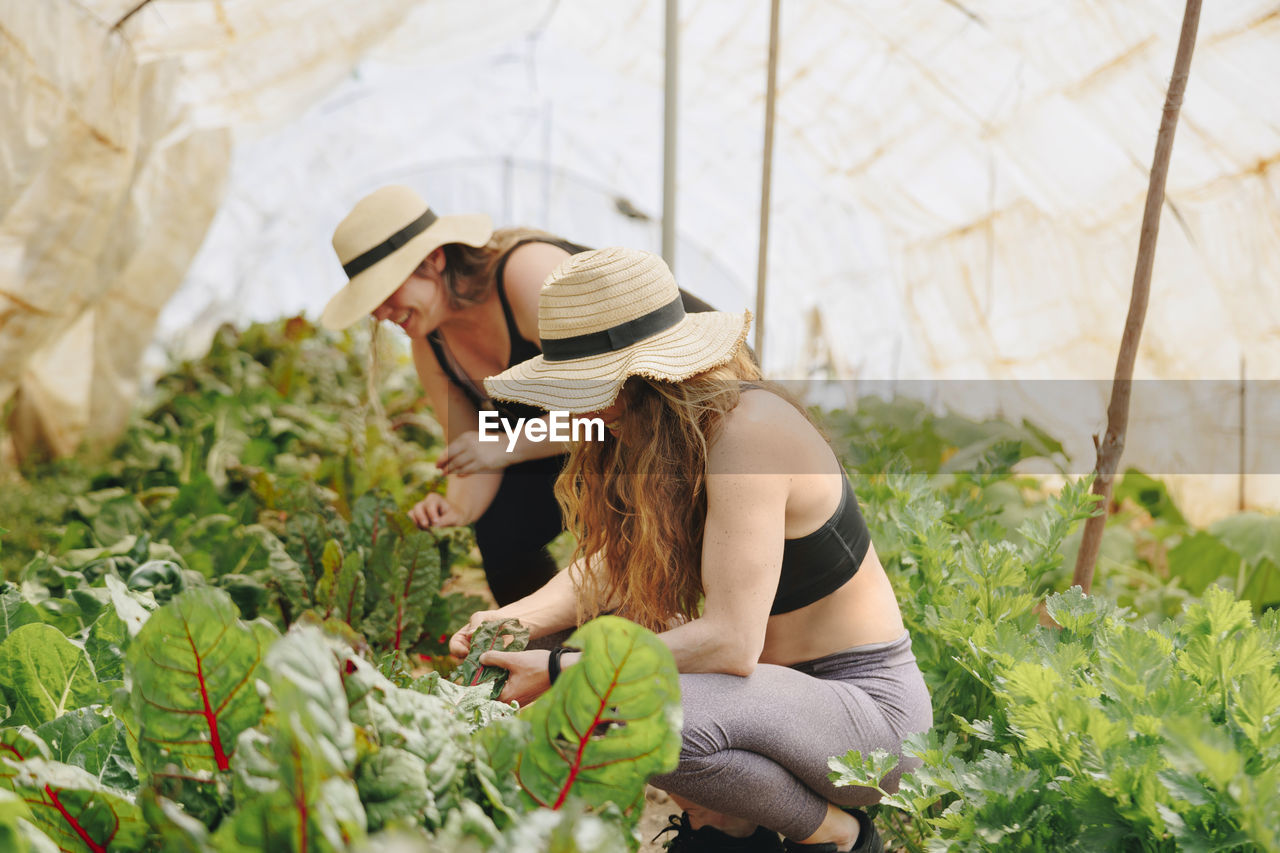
(364, 260)
(616, 337)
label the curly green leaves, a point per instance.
(611, 721)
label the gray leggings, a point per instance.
(757, 747)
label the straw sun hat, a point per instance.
(609, 314)
(382, 241)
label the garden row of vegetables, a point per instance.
(228, 636)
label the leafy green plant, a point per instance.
(1105, 734)
(499, 634)
(225, 735)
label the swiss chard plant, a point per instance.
(190, 728)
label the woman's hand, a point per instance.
(528, 679)
(435, 511)
(467, 455)
(460, 642)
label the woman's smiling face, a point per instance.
(418, 305)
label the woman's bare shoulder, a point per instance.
(527, 268)
(764, 423)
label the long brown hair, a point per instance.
(637, 500)
(469, 270)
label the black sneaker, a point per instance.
(708, 839)
(869, 840)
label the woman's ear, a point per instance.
(436, 259)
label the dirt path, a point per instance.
(657, 807)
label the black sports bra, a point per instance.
(816, 565)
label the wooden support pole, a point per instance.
(670, 123)
(1111, 446)
(766, 177)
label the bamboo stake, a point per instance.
(766, 177)
(670, 125)
(1111, 446)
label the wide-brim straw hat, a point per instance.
(382, 241)
(609, 314)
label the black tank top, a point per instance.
(521, 349)
(816, 565)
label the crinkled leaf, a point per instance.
(80, 814)
(393, 787)
(372, 518)
(17, 744)
(498, 747)
(495, 635)
(46, 675)
(408, 578)
(171, 826)
(15, 611)
(610, 722)
(96, 743)
(404, 718)
(193, 666)
(340, 590)
(474, 706)
(572, 829)
(294, 773)
(17, 833)
(162, 578)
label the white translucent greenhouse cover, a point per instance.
(957, 187)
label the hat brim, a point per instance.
(697, 343)
(364, 292)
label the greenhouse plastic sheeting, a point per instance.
(115, 147)
(957, 191)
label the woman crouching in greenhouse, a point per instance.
(715, 513)
(467, 297)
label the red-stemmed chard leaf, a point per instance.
(496, 635)
(610, 722)
(193, 667)
(76, 811)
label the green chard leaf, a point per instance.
(17, 833)
(15, 611)
(395, 791)
(405, 579)
(94, 743)
(46, 675)
(496, 635)
(340, 590)
(293, 774)
(79, 813)
(193, 667)
(610, 722)
(407, 719)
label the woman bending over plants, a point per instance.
(467, 297)
(714, 513)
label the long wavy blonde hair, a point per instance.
(637, 501)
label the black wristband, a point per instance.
(553, 662)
